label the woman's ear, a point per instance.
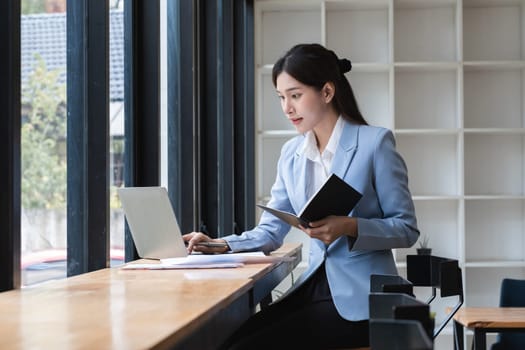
(328, 92)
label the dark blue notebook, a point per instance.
(335, 197)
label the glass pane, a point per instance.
(43, 140)
(116, 128)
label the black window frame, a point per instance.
(10, 123)
(88, 179)
(211, 79)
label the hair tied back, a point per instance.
(345, 65)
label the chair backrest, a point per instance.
(512, 294)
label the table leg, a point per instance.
(458, 336)
(480, 339)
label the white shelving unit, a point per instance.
(448, 77)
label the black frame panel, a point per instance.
(210, 80)
(244, 112)
(10, 133)
(141, 99)
(183, 123)
(88, 136)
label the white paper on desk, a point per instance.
(163, 266)
(208, 261)
(244, 258)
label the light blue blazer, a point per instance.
(366, 158)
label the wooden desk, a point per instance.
(138, 309)
(485, 320)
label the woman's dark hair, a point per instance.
(314, 65)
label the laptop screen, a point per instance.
(152, 222)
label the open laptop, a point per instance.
(152, 222)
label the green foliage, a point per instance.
(114, 200)
(32, 6)
(43, 139)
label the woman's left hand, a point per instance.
(331, 228)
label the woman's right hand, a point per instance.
(200, 242)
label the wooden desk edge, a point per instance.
(491, 317)
(291, 249)
(288, 249)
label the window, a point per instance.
(64, 135)
(44, 143)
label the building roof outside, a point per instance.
(46, 35)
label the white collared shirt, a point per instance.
(319, 167)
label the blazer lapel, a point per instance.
(300, 180)
(345, 150)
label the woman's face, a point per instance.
(304, 106)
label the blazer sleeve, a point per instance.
(395, 225)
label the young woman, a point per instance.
(328, 306)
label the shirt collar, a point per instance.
(310, 150)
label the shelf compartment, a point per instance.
(482, 286)
(493, 30)
(432, 162)
(300, 21)
(495, 230)
(426, 99)
(425, 31)
(372, 91)
(365, 27)
(494, 164)
(437, 220)
(493, 98)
